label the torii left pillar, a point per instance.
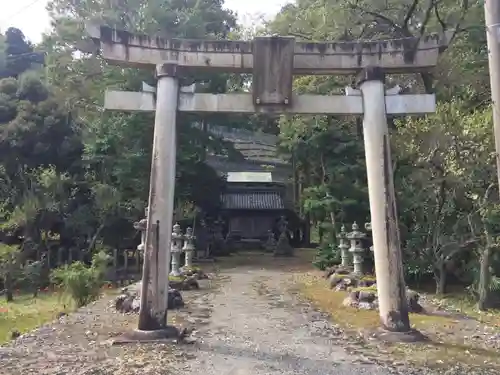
(153, 314)
(391, 288)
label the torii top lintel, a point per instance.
(394, 56)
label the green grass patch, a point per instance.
(447, 345)
(464, 304)
(27, 313)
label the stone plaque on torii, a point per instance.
(274, 61)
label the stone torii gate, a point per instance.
(273, 61)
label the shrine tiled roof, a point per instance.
(252, 201)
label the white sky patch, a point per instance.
(31, 17)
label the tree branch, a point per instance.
(410, 13)
(438, 17)
(457, 28)
(386, 20)
(425, 21)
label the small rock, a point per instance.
(175, 300)
(412, 298)
(329, 271)
(366, 305)
(367, 296)
(354, 295)
(342, 271)
(334, 279)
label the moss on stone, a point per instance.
(176, 278)
(368, 278)
(194, 269)
(365, 289)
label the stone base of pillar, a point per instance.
(175, 263)
(168, 334)
(400, 337)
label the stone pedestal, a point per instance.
(344, 248)
(368, 227)
(219, 244)
(283, 247)
(188, 249)
(141, 226)
(176, 250)
(356, 248)
(270, 244)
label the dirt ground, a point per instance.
(255, 317)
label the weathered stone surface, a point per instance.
(413, 301)
(124, 302)
(329, 271)
(366, 282)
(367, 296)
(339, 270)
(197, 273)
(335, 279)
(283, 247)
(368, 299)
(130, 302)
(185, 283)
(175, 300)
(342, 280)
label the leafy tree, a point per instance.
(17, 54)
(9, 263)
(117, 146)
(446, 201)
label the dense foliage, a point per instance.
(444, 164)
(76, 177)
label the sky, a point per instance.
(32, 19)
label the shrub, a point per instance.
(83, 283)
(33, 275)
(327, 255)
(9, 268)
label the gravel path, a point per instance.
(249, 325)
(255, 329)
(78, 344)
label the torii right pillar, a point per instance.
(391, 287)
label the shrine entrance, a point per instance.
(273, 62)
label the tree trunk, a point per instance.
(94, 239)
(484, 280)
(307, 230)
(484, 268)
(440, 277)
(333, 232)
(9, 296)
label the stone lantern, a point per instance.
(270, 244)
(368, 227)
(188, 248)
(142, 226)
(344, 248)
(356, 248)
(218, 237)
(176, 250)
